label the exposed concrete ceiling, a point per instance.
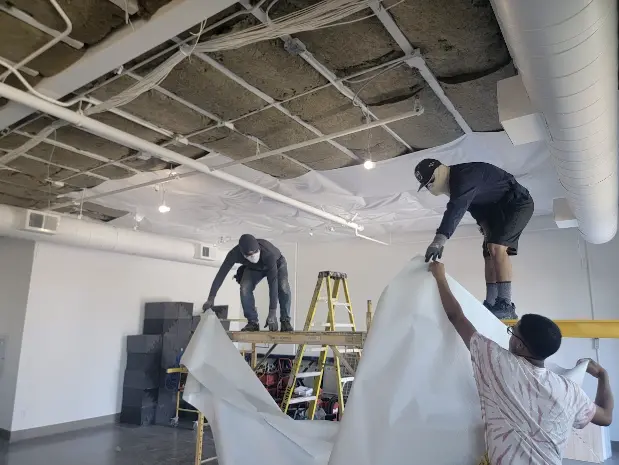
(459, 39)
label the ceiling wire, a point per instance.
(127, 18)
(344, 23)
(49, 173)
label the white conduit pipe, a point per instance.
(93, 235)
(129, 140)
(46, 47)
(566, 53)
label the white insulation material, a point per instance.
(383, 200)
(413, 401)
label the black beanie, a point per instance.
(248, 244)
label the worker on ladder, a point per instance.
(502, 209)
(259, 259)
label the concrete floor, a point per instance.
(126, 445)
(110, 445)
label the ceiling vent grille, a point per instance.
(206, 252)
(41, 222)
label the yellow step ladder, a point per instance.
(332, 281)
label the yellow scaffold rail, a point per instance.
(587, 329)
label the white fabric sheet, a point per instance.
(413, 401)
(384, 199)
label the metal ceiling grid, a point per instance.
(382, 14)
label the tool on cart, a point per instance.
(333, 282)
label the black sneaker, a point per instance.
(271, 323)
(251, 326)
(286, 326)
(487, 305)
(504, 310)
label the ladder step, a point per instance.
(324, 299)
(309, 374)
(348, 379)
(341, 349)
(298, 400)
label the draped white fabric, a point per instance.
(413, 401)
(385, 200)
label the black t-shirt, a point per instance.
(269, 255)
(473, 187)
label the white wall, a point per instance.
(550, 278)
(15, 268)
(81, 306)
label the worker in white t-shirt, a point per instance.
(528, 411)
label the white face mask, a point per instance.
(253, 258)
(440, 181)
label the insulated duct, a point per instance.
(566, 54)
(91, 235)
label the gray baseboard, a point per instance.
(42, 431)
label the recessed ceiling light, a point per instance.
(369, 164)
(163, 208)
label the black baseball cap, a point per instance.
(425, 170)
(248, 244)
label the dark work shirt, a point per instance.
(473, 186)
(269, 255)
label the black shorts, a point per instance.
(503, 223)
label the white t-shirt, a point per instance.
(529, 412)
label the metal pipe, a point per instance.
(26, 18)
(317, 140)
(48, 45)
(85, 153)
(302, 94)
(271, 101)
(417, 62)
(154, 182)
(108, 132)
(323, 70)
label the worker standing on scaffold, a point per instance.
(502, 209)
(259, 259)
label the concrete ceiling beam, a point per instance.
(119, 48)
(417, 61)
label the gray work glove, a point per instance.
(435, 250)
(272, 320)
(208, 304)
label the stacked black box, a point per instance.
(141, 380)
(149, 393)
(174, 322)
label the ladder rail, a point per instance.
(292, 379)
(335, 283)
